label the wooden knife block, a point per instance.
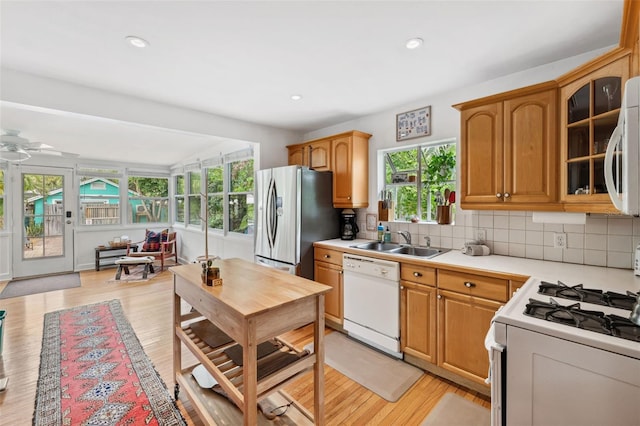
(388, 214)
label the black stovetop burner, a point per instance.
(587, 295)
(573, 316)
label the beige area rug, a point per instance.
(16, 288)
(454, 410)
(387, 377)
(135, 274)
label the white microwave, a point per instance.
(622, 160)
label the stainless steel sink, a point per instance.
(376, 246)
(425, 252)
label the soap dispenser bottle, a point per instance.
(380, 232)
(387, 235)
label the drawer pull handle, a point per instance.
(417, 274)
(327, 256)
(469, 284)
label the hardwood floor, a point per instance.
(148, 307)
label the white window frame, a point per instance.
(97, 172)
(166, 199)
(382, 170)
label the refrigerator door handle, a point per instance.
(271, 217)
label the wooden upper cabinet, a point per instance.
(315, 155)
(297, 155)
(481, 154)
(589, 110)
(320, 156)
(530, 148)
(347, 156)
(350, 160)
(509, 150)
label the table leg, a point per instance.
(318, 368)
(146, 270)
(250, 374)
(119, 272)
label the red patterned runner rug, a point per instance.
(93, 371)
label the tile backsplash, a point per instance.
(602, 241)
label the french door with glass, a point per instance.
(43, 221)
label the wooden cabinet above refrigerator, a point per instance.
(347, 156)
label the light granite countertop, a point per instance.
(569, 273)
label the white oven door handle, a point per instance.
(495, 375)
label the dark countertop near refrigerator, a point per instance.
(569, 273)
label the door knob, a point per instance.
(68, 221)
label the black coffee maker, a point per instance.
(348, 226)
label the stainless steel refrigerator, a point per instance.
(294, 209)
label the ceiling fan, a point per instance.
(14, 148)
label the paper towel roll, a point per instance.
(477, 250)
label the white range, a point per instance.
(555, 363)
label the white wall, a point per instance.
(602, 241)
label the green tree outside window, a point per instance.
(433, 170)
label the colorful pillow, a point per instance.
(153, 239)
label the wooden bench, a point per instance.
(124, 263)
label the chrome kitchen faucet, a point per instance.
(406, 235)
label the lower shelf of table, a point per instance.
(229, 375)
(215, 409)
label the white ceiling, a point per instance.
(245, 59)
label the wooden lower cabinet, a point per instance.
(327, 269)
(331, 275)
(418, 320)
(463, 322)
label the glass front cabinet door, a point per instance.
(589, 113)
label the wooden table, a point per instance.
(254, 304)
(111, 253)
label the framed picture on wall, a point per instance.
(413, 124)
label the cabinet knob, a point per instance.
(401, 287)
(341, 272)
(349, 197)
(469, 284)
(507, 195)
(439, 296)
(498, 195)
(327, 256)
(417, 274)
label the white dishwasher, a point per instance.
(372, 302)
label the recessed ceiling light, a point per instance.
(414, 43)
(137, 41)
(296, 97)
